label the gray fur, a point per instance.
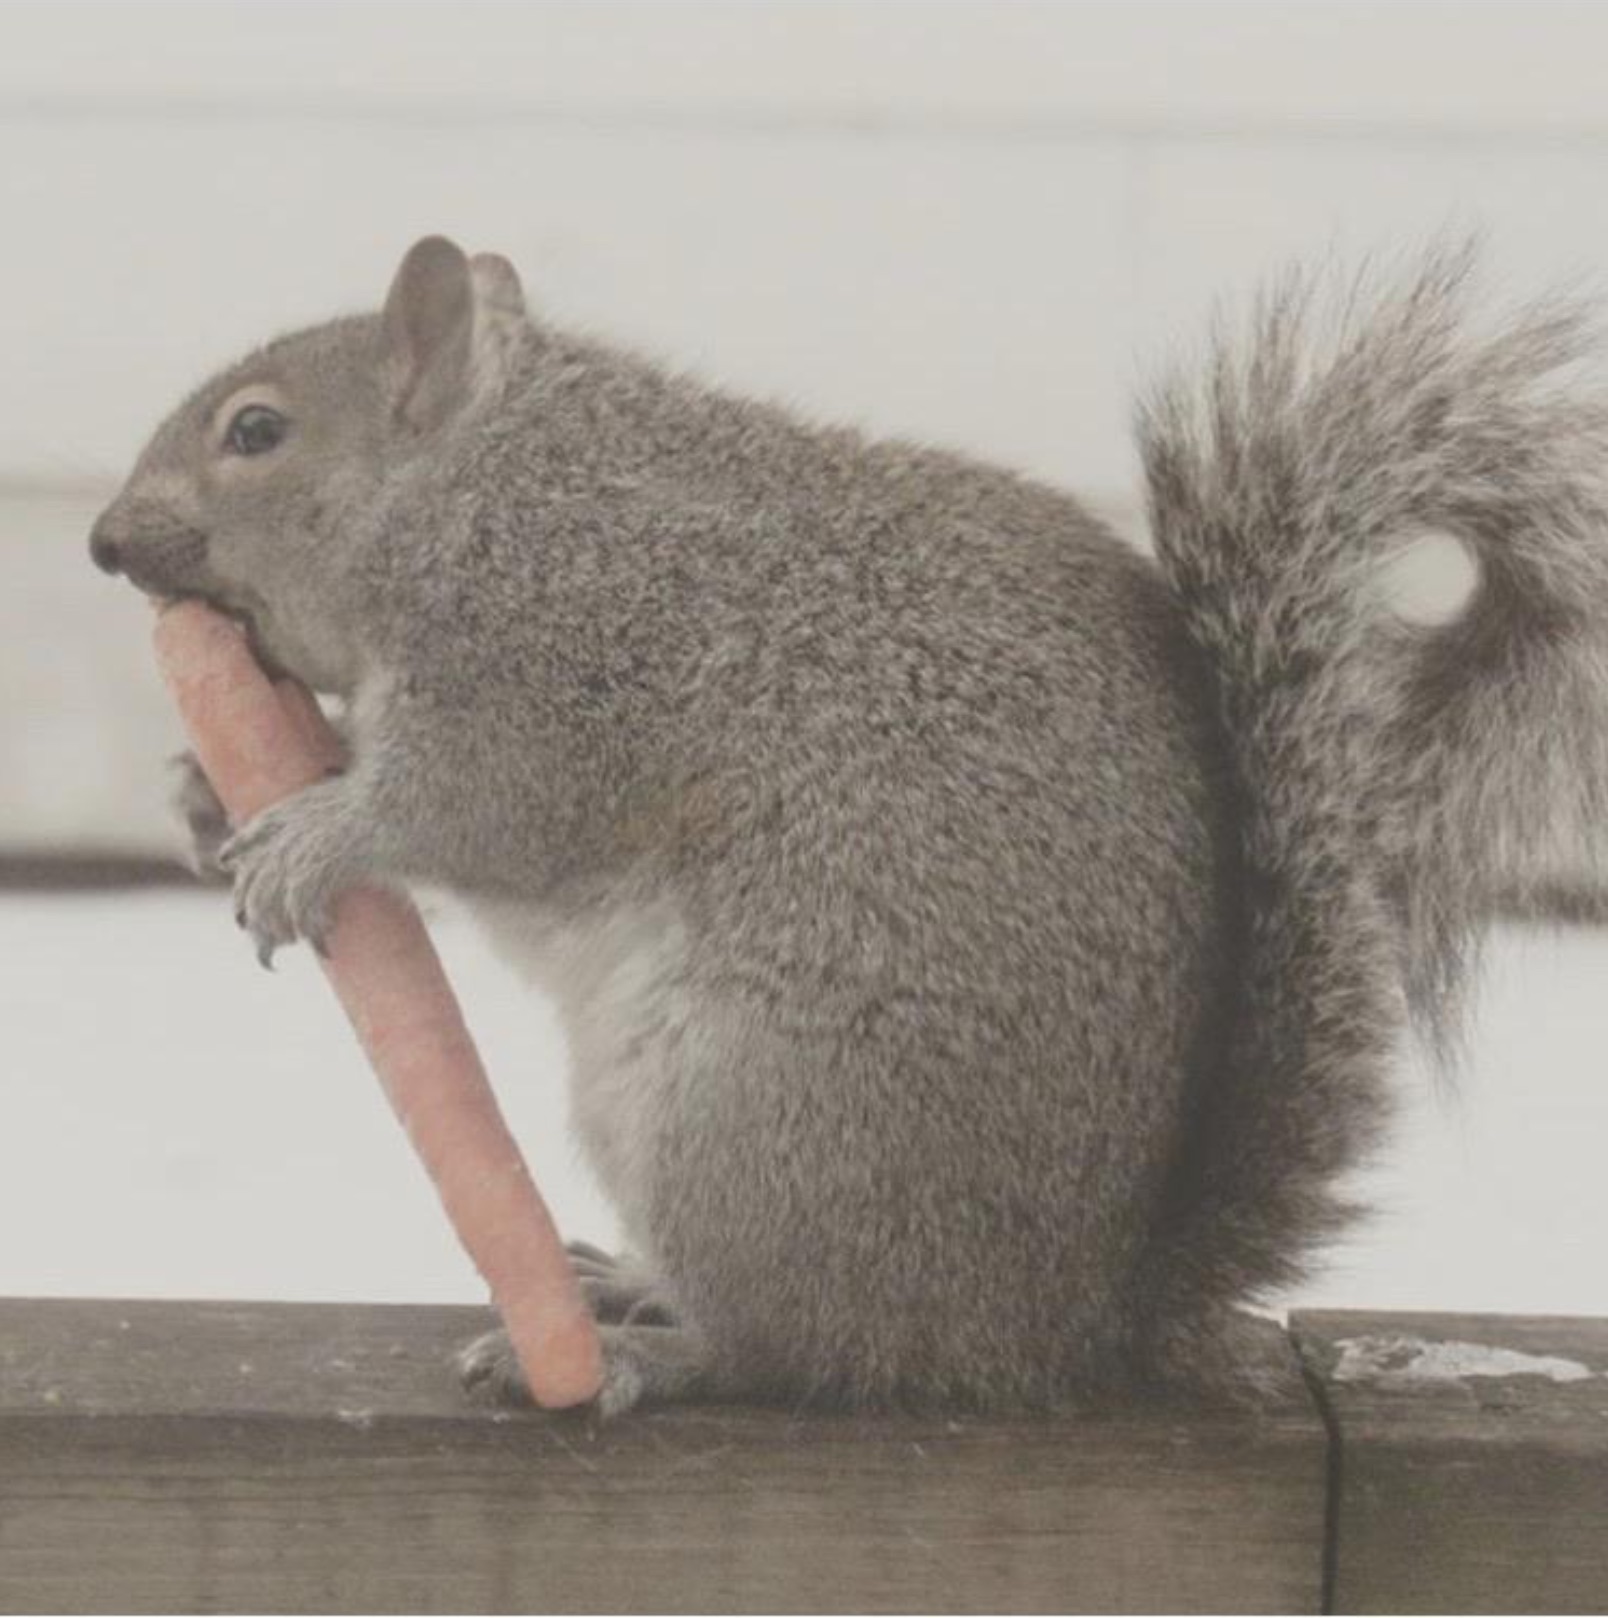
(980, 947)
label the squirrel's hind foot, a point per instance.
(641, 1365)
(618, 1290)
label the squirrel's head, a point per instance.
(244, 494)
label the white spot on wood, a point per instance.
(1411, 1359)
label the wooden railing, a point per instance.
(182, 1457)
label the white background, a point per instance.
(976, 222)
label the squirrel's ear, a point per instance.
(500, 317)
(497, 285)
(429, 331)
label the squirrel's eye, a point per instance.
(255, 430)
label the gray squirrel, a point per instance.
(981, 946)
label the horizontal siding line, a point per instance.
(863, 122)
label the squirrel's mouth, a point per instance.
(249, 619)
(246, 616)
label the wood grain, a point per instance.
(283, 1458)
(1469, 1480)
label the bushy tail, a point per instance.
(1375, 823)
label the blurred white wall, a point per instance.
(974, 221)
(962, 219)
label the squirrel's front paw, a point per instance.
(205, 819)
(289, 863)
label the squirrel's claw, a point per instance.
(619, 1291)
(288, 865)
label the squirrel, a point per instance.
(981, 944)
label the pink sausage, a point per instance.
(259, 743)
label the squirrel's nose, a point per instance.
(103, 547)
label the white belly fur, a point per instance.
(630, 1025)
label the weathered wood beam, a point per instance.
(1471, 1463)
(182, 1457)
